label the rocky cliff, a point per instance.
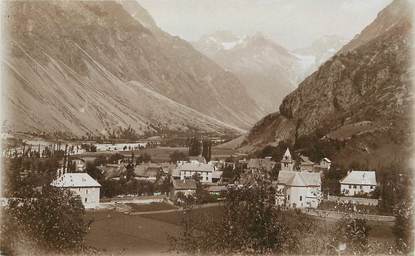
(356, 107)
(82, 67)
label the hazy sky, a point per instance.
(292, 23)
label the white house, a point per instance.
(287, 163)
(187, 170)
(81, 184)
(358, 182)
(298, 189)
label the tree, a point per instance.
(94, 172)
(52, 220)
(249, 225)
(207, 150)
(165, 185)
(115, 157)
(354, 233)
(404, 212)
(194, 147)
(178, 156)
(130, 172)
(143, 158)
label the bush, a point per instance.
(354, 233)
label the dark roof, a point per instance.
(147, 170)
(258, 163)
(186, 184)
(216, 188)
(112, 170)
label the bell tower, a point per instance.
(287, 163)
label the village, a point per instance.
(122, 175)
(147, 181)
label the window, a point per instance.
(301, 198)
(361, 187)
(350, 186)
(86, 191)
(354, 186)
(86, 199)
(288, 197)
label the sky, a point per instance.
(291, 23)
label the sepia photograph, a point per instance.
(207, 127)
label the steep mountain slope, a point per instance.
(85, 66)
(356, 107)
(318, 52)
(268, 71)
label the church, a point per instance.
(296, 189)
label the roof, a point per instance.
(299, 179)
(186, 184)
(199, 159)
(258, 163)
(196, 167)
(112, 170)
(217, 174)
(287, 153)
(75, 180)
(360, 178)
(326, 159)
(305, 160)
(147, 170)
(287, 156)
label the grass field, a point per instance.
(120, 234)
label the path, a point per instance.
(175, 210)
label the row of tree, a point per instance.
(249, 224)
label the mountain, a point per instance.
(356, 108)
(318, 52)
(268, 71)
(79, 67)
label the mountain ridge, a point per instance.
(70, 54)
(267, 70)
(356, 107)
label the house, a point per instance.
(358, 182)
(306, 164)
(148, 171)
(217, 190)
(258, 164)
(81, 184)
(187, 170)
(298, 189)
(287, 163)
(187, 187)
(120, 146)
(111, 171)
(216, 176)
(325, 163)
